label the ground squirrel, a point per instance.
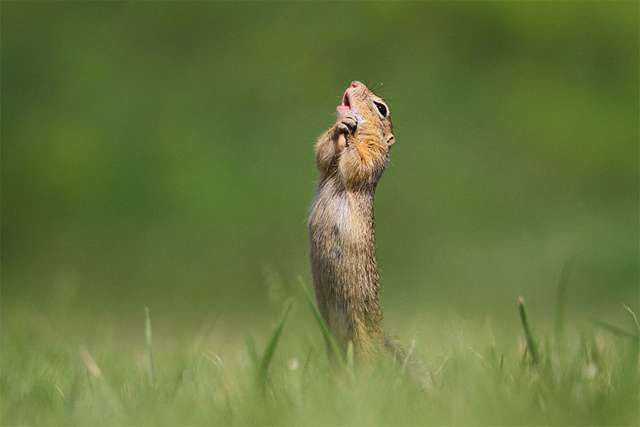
(351, 156)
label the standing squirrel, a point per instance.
(350, 156)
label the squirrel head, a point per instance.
(371, 140)
(372, 112)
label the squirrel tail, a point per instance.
(395, 349)
(410, 365)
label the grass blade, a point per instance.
(636, 342)
(531, 343)
(107, 393)
(350, 359)
(615, 330)
(561, 298)
(265, 361)
(151, 372)
(634, 318)
(250, 344)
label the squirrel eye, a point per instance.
(381, 108)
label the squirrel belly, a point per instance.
(344, 266)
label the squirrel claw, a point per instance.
(346, 124)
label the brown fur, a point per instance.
(350, 156)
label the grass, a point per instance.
(122, 378)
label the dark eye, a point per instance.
(381, 108)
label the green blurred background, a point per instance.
(161, 154)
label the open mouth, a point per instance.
(346, 99)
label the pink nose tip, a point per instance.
(355, 84)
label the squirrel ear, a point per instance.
(391, 140)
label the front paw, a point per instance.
(347, 122)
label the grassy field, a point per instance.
(467, 373)
(160, 154)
